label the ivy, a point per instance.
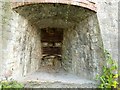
(109, 77)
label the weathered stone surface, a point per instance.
(108, 21)
(83, 3)
(34, 84)
(81, 48)
(20, 46)
(62, 17)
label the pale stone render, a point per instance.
(20, 45)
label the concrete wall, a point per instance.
(21, 45)
(0, 33)
(107, 18)
(83, 49)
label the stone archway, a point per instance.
(82, 3)
(81, 33)
(81, 42)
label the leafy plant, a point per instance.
(10, 85)
(109, 77)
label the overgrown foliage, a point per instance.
(109, 77)
(10, 85)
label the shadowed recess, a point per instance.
(53, 15)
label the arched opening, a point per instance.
(64, 37)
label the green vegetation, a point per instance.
(10, 85)
(109, 77)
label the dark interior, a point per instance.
(51, 39)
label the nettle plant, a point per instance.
(109, 77)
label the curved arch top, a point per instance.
(82, 3)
